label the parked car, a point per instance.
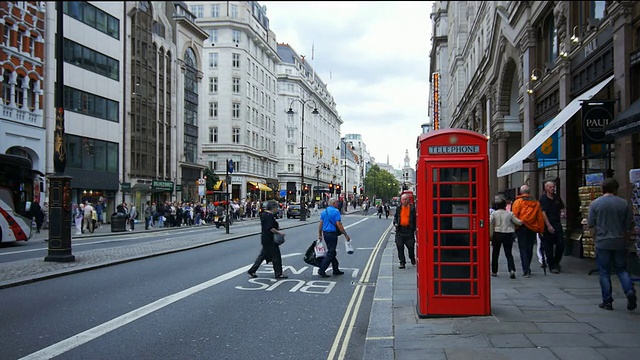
(293, 211)
(279, 214)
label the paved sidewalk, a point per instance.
(544, 317)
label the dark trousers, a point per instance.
(526, 240)
(269, 252)
(147, 219)
(506, 241)
(331, 239)
(132, 223)
(554, 246)
(405, 239)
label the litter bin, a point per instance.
(118, 222)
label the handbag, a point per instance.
(278, 239)
(320, 249)
(348, 247)
(310, 255)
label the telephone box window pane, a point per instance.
(435, 256)
(473, 192)
(436, 274)
(436, 288)
(454, 175)
(436, 239)
(435, 191)
(435, 175)
(454, 223)
(475, 271)
(459, 239)
(475, 255)
(474, 210)
(475, 288)
(473, 174)
(435, 207)
(458, 255)
(454, 191)
(456, 272)
(456, 288)
(475, 239)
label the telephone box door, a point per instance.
(457, 248)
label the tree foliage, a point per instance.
(211, 177)
(380, 183)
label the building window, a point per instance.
(213, 36)
(32, 95)
(236, 110)
(19, 94)
(32, 46)
(234, 10)
(290, 167)
(215, 10)
(236, 61)
(213, 109)
(236, 85)
(236, 35)
(213, 84)
(92, 16)
(19, 41)
(213, 134)
(6, 87)
(91, 60)
(6, 35)
(213, 60)
(248, 90)
(552, 40)
(89, 104)
(91, 154)
(197, 10)
(597, 9)
(235, 137)
(290, 149)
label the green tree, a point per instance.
(380, 183)
(211, 177)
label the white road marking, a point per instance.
(102, 329)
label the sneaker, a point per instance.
(527, 275)
(632, 302)
(606, 306)
(513, 275)
(555, 271)
(413, 261)
(401, 266)
(338, 272)
(323, 275)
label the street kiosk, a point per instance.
(452, 211)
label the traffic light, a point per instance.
(361, 191)
(337, 188)
(306, 188)
(331, 187)
(355, 191)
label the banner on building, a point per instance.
(548, 153)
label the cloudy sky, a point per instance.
(374, 58)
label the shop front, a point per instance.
(95, 187)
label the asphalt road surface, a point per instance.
(201, 304)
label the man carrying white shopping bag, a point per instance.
(330, 228)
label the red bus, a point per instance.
(16, 190)
(411, 196)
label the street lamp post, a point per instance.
(344, 205)
(303, 205)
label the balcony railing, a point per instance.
(27, 117)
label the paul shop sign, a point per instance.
(595, 116)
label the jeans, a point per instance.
(554, 246)
(331, 239)
(506, 240)
(405, 239)
(526, 240)
(605, 259)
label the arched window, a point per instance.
(190, 58)
(6, 87)
(19, 93)
(552, 40)
(32, 95)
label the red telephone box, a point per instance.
(452, 237)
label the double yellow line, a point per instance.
(341, 342)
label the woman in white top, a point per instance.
(503, 224)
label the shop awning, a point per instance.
(263, 187)
(626, 123)
(515, 164)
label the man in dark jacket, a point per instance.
(405, 222)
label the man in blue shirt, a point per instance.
(330, 228)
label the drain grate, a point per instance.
(363, 283)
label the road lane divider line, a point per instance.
(354, 305)
(84, 337)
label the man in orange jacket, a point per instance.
(527, 209)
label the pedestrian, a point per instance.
(36, 212)
(99, 210)
(78, 213)
(528, 210)
(553, 236)
(611, 221)
(405, 222)
(329, 228)
(386, 210)
(133, 214)
(88, 217)
(270, 250)
(148, 213)
(503, 226)
(380, 211)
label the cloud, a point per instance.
(374, 58)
